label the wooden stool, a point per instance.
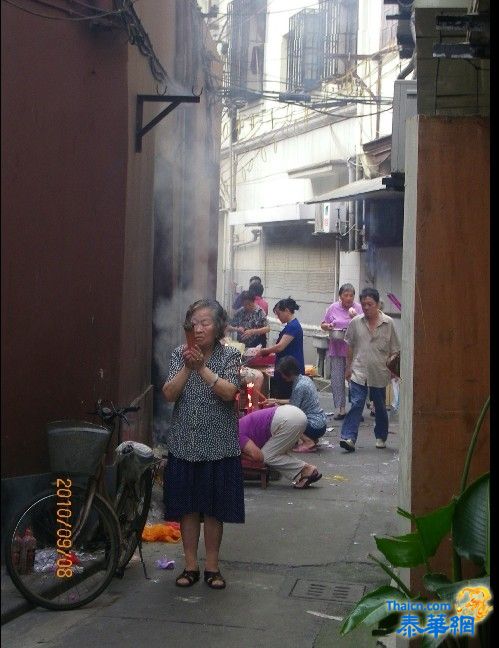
(254, 469)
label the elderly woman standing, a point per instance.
(338, 317)
(203, 479)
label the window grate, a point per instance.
(322, 43)
(305, 55)
(340, 39)
(246, 20)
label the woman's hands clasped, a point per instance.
(193, 357)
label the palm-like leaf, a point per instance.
(470, 524)
(372, 608)
(402, 551)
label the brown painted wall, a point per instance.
(78, 206)
(452, 310)
(64, 152)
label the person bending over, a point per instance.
(269, 434)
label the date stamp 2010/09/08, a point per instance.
(64, 528)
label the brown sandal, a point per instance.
(191, 576)
(309, 479)
(214, 579)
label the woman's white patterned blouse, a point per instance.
(204, 427)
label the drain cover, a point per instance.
(326, 591)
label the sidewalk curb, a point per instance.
(14, 611)
(13, 604)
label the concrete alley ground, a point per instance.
(293, 569)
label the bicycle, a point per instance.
(63, 549)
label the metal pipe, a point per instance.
(232, 200)
(412, 61)
(232, 160)
(378, 94)
(337, 265)
(408, 68)
(352, 206)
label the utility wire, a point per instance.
(80, 17)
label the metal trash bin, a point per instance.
(76, 447)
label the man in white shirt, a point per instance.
(372, 341)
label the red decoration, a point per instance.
(249, 398)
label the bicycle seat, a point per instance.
(76, 447)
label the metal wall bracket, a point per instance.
(174, 100)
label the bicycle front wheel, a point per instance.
(65, 564)
(132, 508)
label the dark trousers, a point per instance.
(351, 422)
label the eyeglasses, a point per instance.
(205, 323)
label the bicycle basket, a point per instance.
(76, 447)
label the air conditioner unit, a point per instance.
(330, 217)
(405, 104)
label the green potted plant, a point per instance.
(467, 518)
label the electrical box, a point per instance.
(330, 217)
(405, 104)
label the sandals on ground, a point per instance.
(309, 479)
(214, 579)
(191, 576)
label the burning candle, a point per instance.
(249, 396)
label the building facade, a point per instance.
(308, 95)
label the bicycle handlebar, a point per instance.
(108, 414)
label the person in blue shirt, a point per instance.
(304, 396)
(289, 343)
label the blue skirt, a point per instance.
(212, 488)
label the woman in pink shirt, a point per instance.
(338, 316)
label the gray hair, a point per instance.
(219, 315)
(346, 287)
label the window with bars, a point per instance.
(341, 18)
(246, 28)
(322, 43)
(305, 55)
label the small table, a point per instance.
(256, 469)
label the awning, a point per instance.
(279, 213)
(372, 188)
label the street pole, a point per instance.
(337, 265)
(232, 199)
